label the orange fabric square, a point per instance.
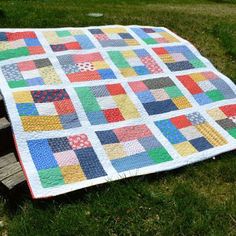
(64, 107)
(180, 122)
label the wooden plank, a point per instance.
(7, 160)
(4, 123)
(9, 170)
(14, 180)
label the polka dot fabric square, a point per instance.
(63, 40)
(206, 87)
(190, 134)
(179, 58)
(159, 95)
(154, 35)
(135, 62)
(106, 104)
(44, 110)
(18, 44)
(85, 67)
(225, 116)
(132, 147)
(30, 73)
(113, 37)
(65, 160)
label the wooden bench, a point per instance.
(11, 173)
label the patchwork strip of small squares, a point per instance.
(97, 104)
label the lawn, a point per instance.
(194, 200)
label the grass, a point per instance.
(194, 200)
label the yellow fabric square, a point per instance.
(72, 174)
(76, 32)
(114, 150)
(185, 148)
(128, 54)
(126, 106)
(197, 77)
(217, 114)
(181, 102)
(23, 97)
(169, 37)
(49, 75)
(131, 42)
(211, 134)
(41, 123)
(100, 65)
(114, 30)
(5, 46)
(51, 37)
(167, 58)
(127, 72)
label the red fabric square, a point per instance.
(84, 76)
(229, 110)
(181, 122)
(190, 84)
(113, 115)
(160, 51)
(90, 57)
(72, 45)
(20, 35)
(26, 65)
(138, 86)
(115, 89)
(36, 50)
(64, 107)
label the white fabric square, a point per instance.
(134, 61)
(133, 147)
(46, 109)
(106, 102)
(206, 85)
(30, 74)
(190, 133)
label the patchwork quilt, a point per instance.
(97, 104)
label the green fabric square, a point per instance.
(118, 59)
(173, 92)
(51, 177)
(232, 132)
(159, 155)
(215, 95)
(63, 33)
(11, 53)
(87, 99)
(197, 63)
(17, 83)
(150, 41)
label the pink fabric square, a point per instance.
(178, 57)
(138, 86)
(161, 40)
(66, 158)
(26, 65)
(210, 75)
(151, 64)
(132, 132)
(79, 141)
(101, 37)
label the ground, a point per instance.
(196, 200)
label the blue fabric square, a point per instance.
(32, 42)
(141, 70)
(170, 131)
(59, 144)
(89, 163)
(3, 36)
(125, 36)
(158, 30)
(201, 144)
(222, 86)
(145, 96)
(141, 52)
(181, 65)
(96, 117)
(35, 81)
(42, 154)
(132, 162)
(96, 31)
(202, 98)
(106, 74)
(149, 143)
(27, 109)
(107, 137)
(84, 41)
(69, 121)
(140, 33)
(160, 107)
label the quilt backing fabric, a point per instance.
(96, 104)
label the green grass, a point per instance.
(194, 200)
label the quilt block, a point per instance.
(106, 104)
(16, 44)
(46, 110)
